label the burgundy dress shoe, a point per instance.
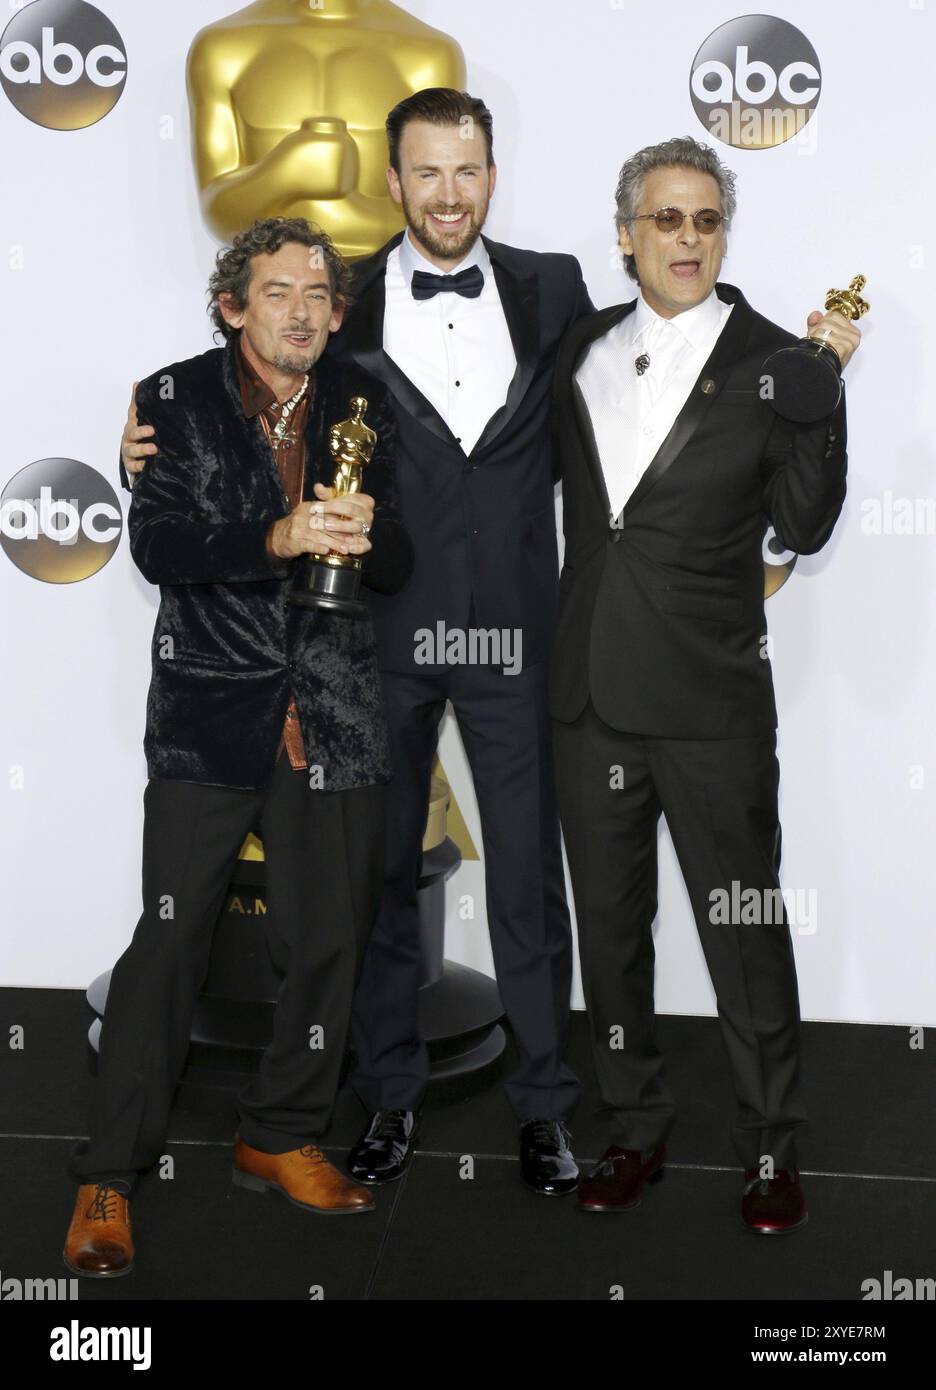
(773, 1206)
(617, 1181)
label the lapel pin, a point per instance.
(708, 386)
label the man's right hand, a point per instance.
(132, 449)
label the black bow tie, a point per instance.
(468, 282)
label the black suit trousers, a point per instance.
(719, 797)
(504, 726)
(324, 873)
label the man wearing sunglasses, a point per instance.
(673, 465)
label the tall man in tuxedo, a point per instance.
(660, 686)
(464, 333)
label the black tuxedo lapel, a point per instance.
(520, 300)
(700, 398)
(362, 339)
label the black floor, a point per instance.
(869, 1161)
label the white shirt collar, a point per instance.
(696, 324)
(411, 258)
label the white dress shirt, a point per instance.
(456, 351)
(631, 415)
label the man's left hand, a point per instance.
(833, 328)
(345, 517)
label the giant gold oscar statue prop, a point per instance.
(288, 101)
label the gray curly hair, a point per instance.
(681, 152)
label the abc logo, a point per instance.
(60, 521)
(755, 82)
(62, 64)
(778, 563)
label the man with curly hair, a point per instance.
(260, 712)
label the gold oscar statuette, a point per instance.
(334, 581)
(807, 376)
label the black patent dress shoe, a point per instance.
(546, 1161)
(385, 1148)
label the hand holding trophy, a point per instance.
(807, 376)
(334, 581)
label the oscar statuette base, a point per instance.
(335, 588)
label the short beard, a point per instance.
(438, 244)
(296, 366)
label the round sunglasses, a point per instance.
(706, 220)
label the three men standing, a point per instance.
(660, 690)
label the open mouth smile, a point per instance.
(447, 220)
(686, 270)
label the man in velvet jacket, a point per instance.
(673, 466)
(260, 713)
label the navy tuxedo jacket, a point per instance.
(483, 526)
(228, 647)
(661, 618)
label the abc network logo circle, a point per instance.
(60, 520)
(778, 563)
(62, 64)
(755, 82)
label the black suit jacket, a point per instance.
(661, 616)
(485, 525)
(227, 646)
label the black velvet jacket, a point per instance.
(227, 646)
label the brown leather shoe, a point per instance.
(98, 1243)
(303, 1176)
(773, 1206)
(617, 1181)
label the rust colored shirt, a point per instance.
(259, 400)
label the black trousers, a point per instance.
(324, 873)
(504, 724)
(719, 797)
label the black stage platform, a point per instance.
(869, 1160)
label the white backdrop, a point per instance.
(106, 261)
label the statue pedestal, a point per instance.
(233, 1021)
